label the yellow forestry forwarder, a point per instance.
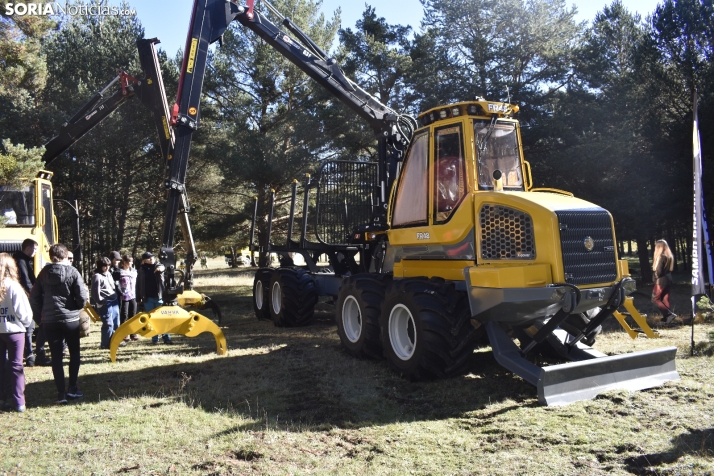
(441, 244)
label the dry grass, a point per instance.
(290, 401)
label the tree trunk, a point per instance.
(644, 256)
(234, 257)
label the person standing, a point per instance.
(58, 295)
(26, 278)
(105, 300)
(15, 318)
(150, 288)
(115, 267)
(662, 266)
(127, 292)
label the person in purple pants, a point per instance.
(15, 318)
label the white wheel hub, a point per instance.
(258, 295)
(352, 319)
(277, 297)
(402, 332)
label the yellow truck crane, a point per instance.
(442, 244)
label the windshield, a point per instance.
(17, 205)
(497, 149)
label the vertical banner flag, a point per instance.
(698, 250)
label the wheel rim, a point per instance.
(258, 295)
(402, 332)
(277, 297)
(352, 319)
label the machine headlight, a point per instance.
(629, 285)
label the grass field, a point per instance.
(291, 401)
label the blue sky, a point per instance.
(169, 20)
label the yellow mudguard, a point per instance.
(167, 320)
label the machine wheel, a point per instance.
(359, 304)
(293, 296)
(261, 294)
(426, 328)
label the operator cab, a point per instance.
(462, 147)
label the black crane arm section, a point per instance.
(94, 111)
(150, 92)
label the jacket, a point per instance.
(103, 289)
(145, 272)
(25, 270)
(15, 311)
(661, 275)
(58, 294)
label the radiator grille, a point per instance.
(580, 265)
(346, 198)
(506, 233)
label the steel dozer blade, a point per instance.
(592, 374)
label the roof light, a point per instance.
(455, 111)
(443, 114)
(474, 109)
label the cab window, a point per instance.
(49, 220)
(410, 205)
(497, 149)
(449, 172)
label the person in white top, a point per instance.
(15, 318)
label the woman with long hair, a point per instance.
(15, 318)
(662, 266)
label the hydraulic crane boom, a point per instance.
(209, 20)
(152, 94)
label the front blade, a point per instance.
(566, 383)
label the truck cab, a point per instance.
(29, 213)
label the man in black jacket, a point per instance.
(26, 276)
(58, 295)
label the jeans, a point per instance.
(150, 304)
(109, 313)
(56, 333)
(14, 344)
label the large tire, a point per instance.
(426, 328)
(359, 304)
(293, 296)
(261, 294)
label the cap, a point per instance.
(114, 255)
(147, 255)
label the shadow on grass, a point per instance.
(300, 378)
(698, 443)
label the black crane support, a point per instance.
(150, 91)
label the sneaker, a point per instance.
(668, 320)
(134, 337)
(168, 341)
(122, 344)
(74, 392)
(20, 408)
(126, 339)
(30, 361)
(43, 360)
(155, 342)
(61, 398)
